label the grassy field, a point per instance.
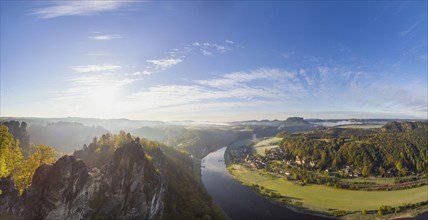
(267, 144)
(262, 150)
(321, 197)
(269, 141)
(379, 181)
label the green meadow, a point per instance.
(323, 198)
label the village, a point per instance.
(275, 161)
(302, 171)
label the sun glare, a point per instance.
(104, 96)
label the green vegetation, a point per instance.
(267, 144)
(381, 152)
(14, 164)
(228, 154)
(268, 141)
(323, 198)
(341, 172)
(185, 198)
(262, 150)
(10, 153)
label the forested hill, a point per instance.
(407, 126)
(395, 149)
(116, 176)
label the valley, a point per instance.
(232, 171)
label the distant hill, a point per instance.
(112, 125)
(296, 121)
(64, 136)
(406, 126)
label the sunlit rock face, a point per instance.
(128, 187)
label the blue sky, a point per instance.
(215, 61)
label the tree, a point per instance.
(381, 170)
(366, 171)
(25, 171)
(10, 153)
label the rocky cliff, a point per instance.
(406, 126)
(128, 187)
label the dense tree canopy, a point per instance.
(24, 172)
(12, 163)
(10, 153)
(399, 151)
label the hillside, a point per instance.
(116, 177)
(64, 136)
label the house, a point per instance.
(298, 160)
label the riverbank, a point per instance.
(330, 201)
(237, 200)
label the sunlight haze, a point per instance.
(214, 61)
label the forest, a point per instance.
(395, 149)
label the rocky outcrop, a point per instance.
(11, 202)
(407, 126)
(128, 187)
(19, 132)
(294, 121)
(59, 191)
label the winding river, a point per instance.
(236, 200)
(241, 202)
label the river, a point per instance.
(236, 200)
(241, 202)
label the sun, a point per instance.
(104, 97)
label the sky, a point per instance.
(214, 60)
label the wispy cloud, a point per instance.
(105, 37)
(406, 32)
(139, 73)
(94, 95)
(288, 55)
(208, 49)
(95, 68)
(408, 99)
(78, 8)
(178, 55)
(232, 79)
(238, 88)
(164, 64)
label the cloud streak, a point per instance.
(237, 87)
(77, 8)
(164, 64)
(95, 68)
(178, 55)
(105, 37)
